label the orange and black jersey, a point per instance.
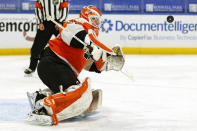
(70, 49)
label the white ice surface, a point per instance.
(161, 96)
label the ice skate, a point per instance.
(28, 72)
(31, 98)
(39, 117)
(35, 99)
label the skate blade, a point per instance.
(28, 75)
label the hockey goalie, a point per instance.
(75, 49)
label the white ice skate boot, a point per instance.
(39, 118)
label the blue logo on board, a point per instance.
(106, 25)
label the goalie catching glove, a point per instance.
(106, 61)
(115, 62)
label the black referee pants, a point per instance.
(41, 40)
(55, 72)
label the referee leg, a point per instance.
(41, 40)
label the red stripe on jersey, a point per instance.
(38, 5)
(64, 5)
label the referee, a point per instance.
(58, 10)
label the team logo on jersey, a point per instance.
(55, 2)
(106, 26)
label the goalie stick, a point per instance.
(126, 74)
(118, 50)
(49, 18)
(105, 48)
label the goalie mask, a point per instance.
(92, 15)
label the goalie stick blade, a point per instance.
(30, 99)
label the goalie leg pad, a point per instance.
(66, 105)
(96, 104)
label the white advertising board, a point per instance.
(12, 27)
(127, 30)
(150, 31)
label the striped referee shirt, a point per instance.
(57, 9)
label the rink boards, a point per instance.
(137, 34)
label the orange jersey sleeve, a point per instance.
(99, 64)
